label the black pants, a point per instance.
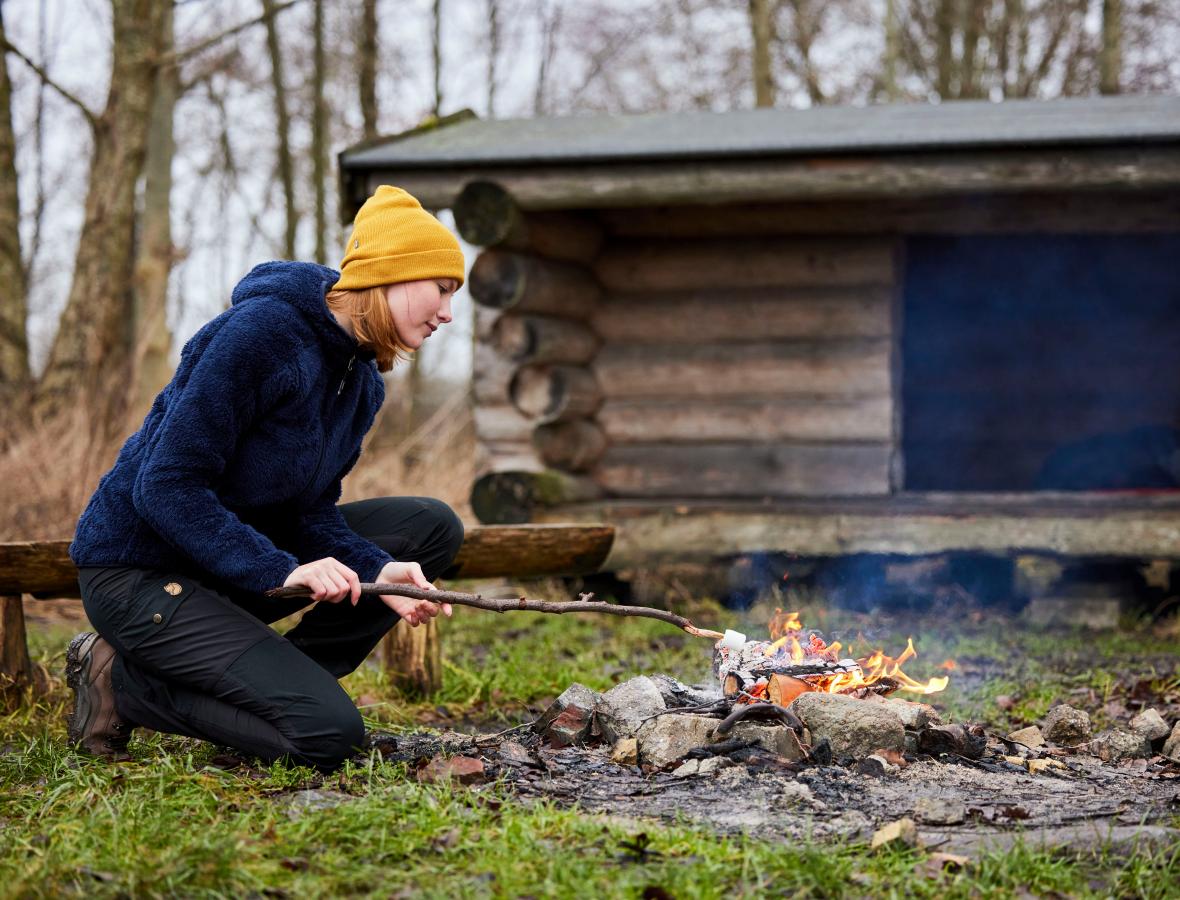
(198, 658)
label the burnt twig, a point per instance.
(509, 604)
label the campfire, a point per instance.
(790, 664)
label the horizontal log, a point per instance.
(673, 420)
(740, 314)
(555, 393)
(544, 339)
(510, 498)
(1145, 169)
(745, 470)
(44, 568)
(487, 216)
(744, 370)
(506, 456)
(1027, 213)
(500, 423)
(503, 280)
(570, 446)
(491, 375)
(754, 262)
(1077, 525)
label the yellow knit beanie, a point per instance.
(394, 239)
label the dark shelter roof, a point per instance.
(956, 125)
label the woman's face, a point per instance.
(419, 308)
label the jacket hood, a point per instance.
(303, 285)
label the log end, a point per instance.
(485, 213)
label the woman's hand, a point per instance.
(413, 611)
(328, 578)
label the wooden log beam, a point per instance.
(1025, 213)
(413, 657)
(510, 498)
(570, 446)
(487, 216)
(745, 470)
(695, 420)
(501, 423)
(734, 313)
(1145, 169)
(544, 339)
(549, 393)
(753, 262)
(44, 568)
(16, 668)
(503, 280)
(761, 370)
(491, 374)
(507, 456)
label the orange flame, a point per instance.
(786, 628)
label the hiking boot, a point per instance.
(95, 726)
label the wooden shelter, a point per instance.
(824, 331)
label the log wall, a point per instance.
(709, 365)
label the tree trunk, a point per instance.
(92, 349)
(283, 124)
(763, 74)
(436, 55)
(892, 54)
(14, 344)
(319, 139)
(493, 53)
(413, 658)
(1110, 60)
(366, 48)
(155, 251)
(16, 669)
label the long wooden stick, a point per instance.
(507, 604)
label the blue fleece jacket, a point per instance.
(236, 470)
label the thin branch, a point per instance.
(10, 47)
(177, 57)
(509, 604)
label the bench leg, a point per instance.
(412, 657)
(16, 669)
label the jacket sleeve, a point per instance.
(236, 378)
(323, 532)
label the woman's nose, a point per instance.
(444, 311)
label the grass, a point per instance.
(169, 824)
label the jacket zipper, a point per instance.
(347, 372)
(324, 444)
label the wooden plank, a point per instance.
(805, 368)
(754, 262)
(1026, 213)
(744, 470)
(44, 567)
(865, 418)
(684, 529)
(737, 314)
(805, 177)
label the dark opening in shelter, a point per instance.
(1041, 362)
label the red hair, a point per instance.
(372, 323)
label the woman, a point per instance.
(230, 487)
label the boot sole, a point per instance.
(77, 662)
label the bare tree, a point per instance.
(761, 27)
(493, 8)
(1110, 59)
(807, 19)
(436, 55)
(549, 17)
(94, 337)
(366, 57)
(319, 137)
(155, 253)
(14, 344)
(286, 165)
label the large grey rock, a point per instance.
(1116, 744)
(665, 739)
(1150, 724)
(1066, 726)
(569, 718)
(912, 715)
(1172, 744)
(623, 708)
(852, 727)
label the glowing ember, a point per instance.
(791, 647)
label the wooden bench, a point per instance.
(45, 570)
